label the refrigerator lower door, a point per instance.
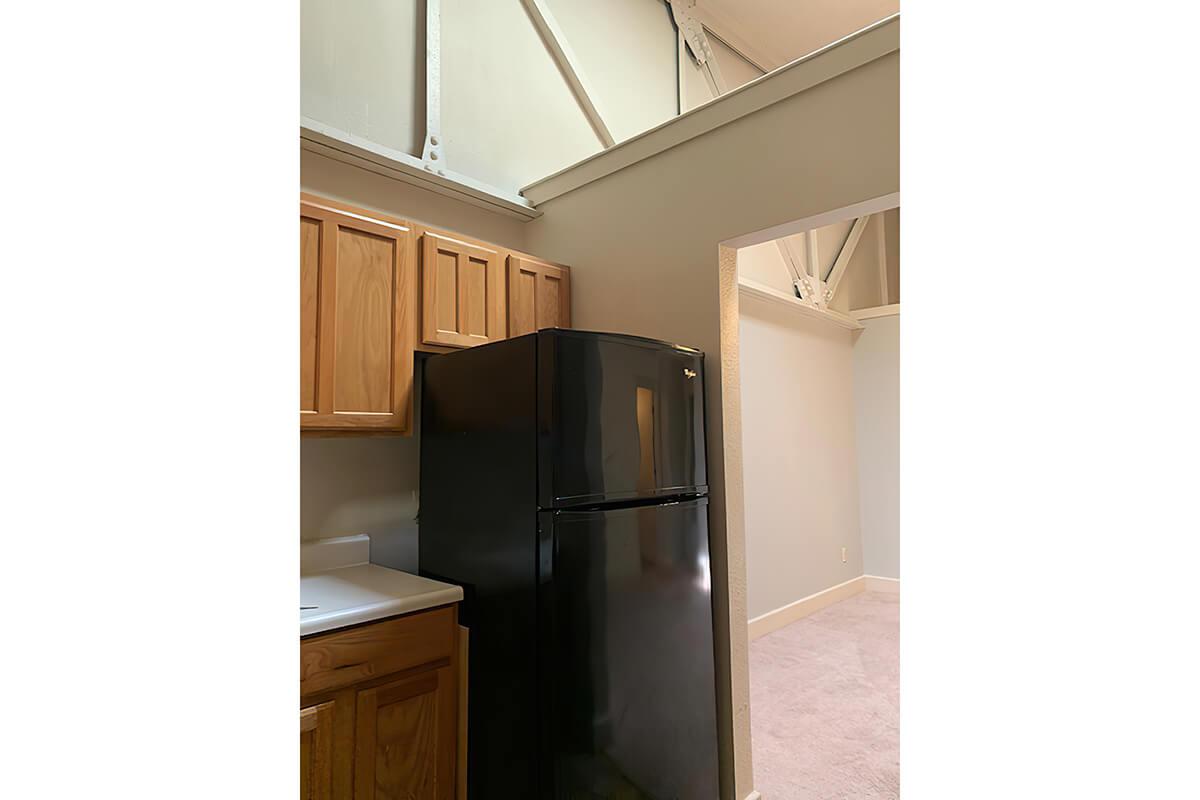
(628, 700)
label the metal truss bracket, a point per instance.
(801, 283)
(698, 44)
(834, 279)
(433, 157)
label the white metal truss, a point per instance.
(692, 31)
(844, 256)
(433, 157)
(795, 267)
(881, 254)
(569, 64)
(814, 268)
(806, 270)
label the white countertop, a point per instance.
(364, 593)
(342, 593)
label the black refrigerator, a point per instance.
(563, 486)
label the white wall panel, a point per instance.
(627, 50)
(508, 115)
(798, 455)
(362, 68)
(877, 415)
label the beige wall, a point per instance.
(877, 415)
(798, 453)
(643, 246)
(891, 220)
(795, 28)
(362, 485)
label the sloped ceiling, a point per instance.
(784, 30)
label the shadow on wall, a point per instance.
(362, 485)
(365, 484)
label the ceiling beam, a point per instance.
(568, 62)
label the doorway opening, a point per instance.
(815, 342)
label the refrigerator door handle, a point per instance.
(545, 551)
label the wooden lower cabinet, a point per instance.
(380, 710)
(404, 744)
(316, 752)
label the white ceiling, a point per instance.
(779, 31)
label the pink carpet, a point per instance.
(825, 704)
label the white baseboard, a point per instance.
(754, 795)
(876, 583)
(774, 620)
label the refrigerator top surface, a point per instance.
(626, 338)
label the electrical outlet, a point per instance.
(843, 555)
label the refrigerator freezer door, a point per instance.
(619, 418)
(626, 654)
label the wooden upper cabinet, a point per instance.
(357, 319)
(539, 295)
(463, 297)
(316, 752)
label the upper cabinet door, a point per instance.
(463, 299)
(539, 295)
(357, 329)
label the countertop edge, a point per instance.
(344, 618)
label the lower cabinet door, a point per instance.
(405, 738)
(316, 752)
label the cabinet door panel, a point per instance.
(473, 295)
(366, 289)
(310, 271)
(405, 738)
(463, 292)
(539, 296)
(316, 752)
(357, 320)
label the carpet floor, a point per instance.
(825, 704)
